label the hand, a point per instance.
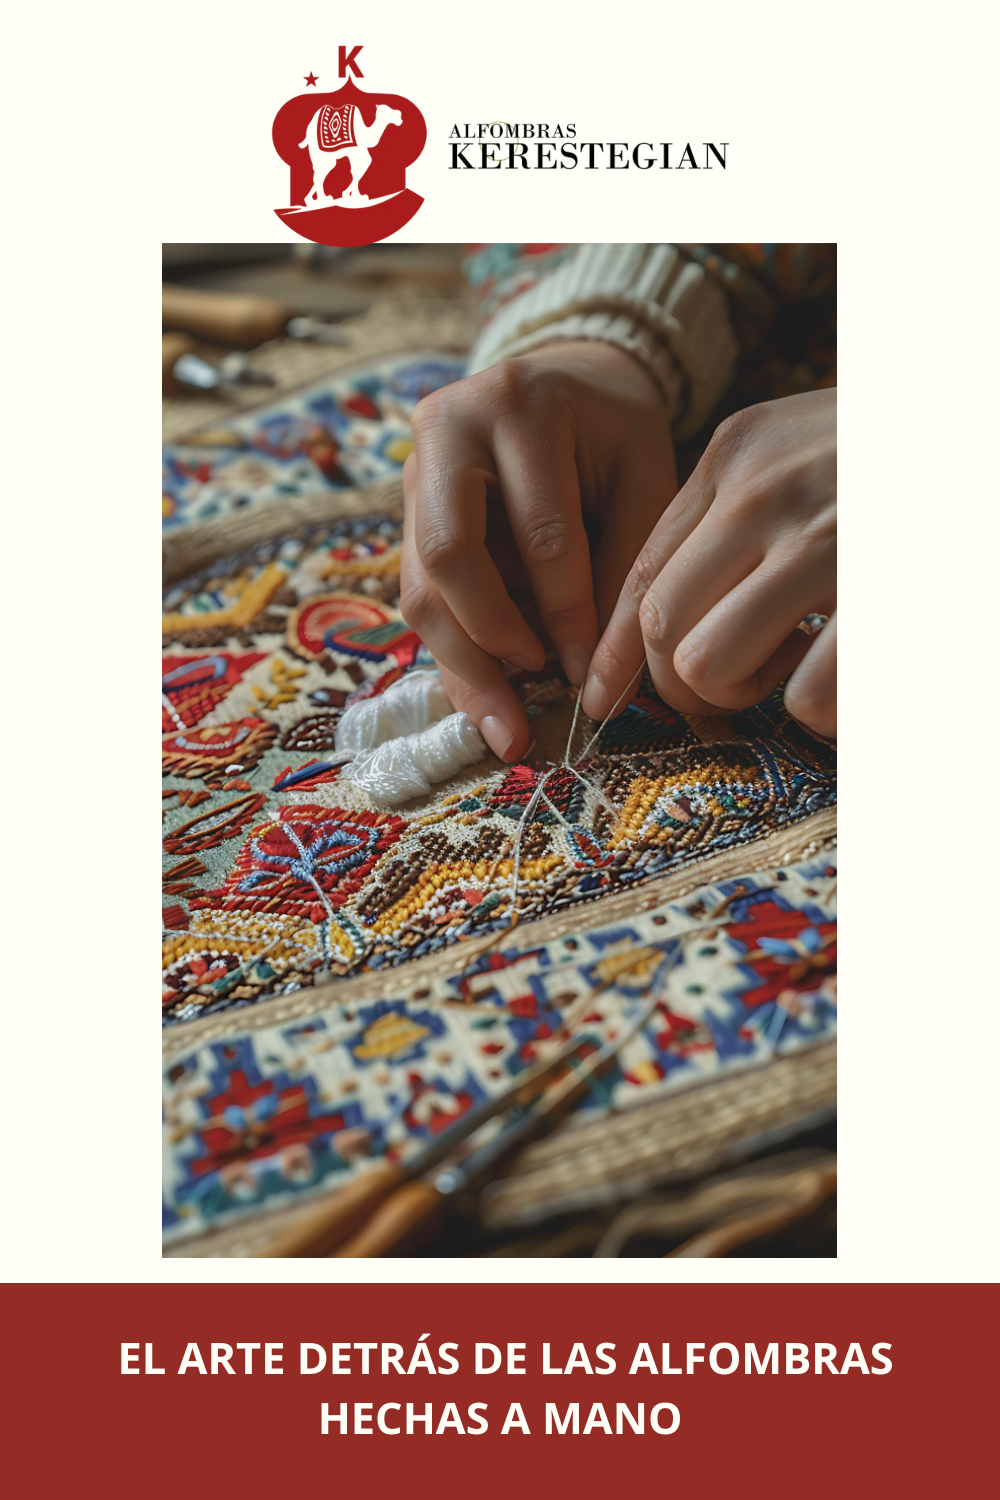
(746, 551)
(506, 465)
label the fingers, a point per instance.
(711, 562)
(642, 627)
(716, 624)
(642, 493)
(621, 650)
(811, 691)
(449, 530)
(475, 682)
(537, 471)
(741, 649)
(745, 551)
(480, 707)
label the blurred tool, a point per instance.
(242, 321)
(396, 1204)
(184, 369)
(414, 1209)
(347, 1211)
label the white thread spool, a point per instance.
(408, 706)
(408, 766)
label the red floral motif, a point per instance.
(307, 862)
(785, 950)
(254, 1120)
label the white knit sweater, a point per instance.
(648, 299)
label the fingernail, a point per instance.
(576, 662)
(526, 664)
(597, 699)
(498, 735)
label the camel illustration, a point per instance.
(336, 132)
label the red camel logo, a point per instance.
(348, 153)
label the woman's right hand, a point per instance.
(747, 550)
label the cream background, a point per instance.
(128, 125)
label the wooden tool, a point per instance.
(340, 1216)
(405, 1220)
(409, 1214)
(337, 1219)
(238, 320)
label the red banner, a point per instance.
(864, 1389)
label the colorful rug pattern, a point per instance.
(276, 876)
(265, 1117)
(345, 431)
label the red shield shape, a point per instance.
(347, 154)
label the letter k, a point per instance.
(347, 60)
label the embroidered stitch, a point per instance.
(394, 1071)
(658, 791)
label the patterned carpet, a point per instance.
(340, 983)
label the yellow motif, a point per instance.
(251, 599)
(390, 1034)
(645, 1072)
(245, 934)
(653, 800)
(283, 676)
(634, 965)
(341, 940)
(460, 872)
(399, 450)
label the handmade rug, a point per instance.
(341, 982)
(336, 417)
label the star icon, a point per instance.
(310, 80)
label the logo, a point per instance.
(347, 154)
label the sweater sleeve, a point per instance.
(655, 301)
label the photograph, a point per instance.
(499, 724)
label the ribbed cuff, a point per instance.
(646, 299)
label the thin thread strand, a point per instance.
(590, 785)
